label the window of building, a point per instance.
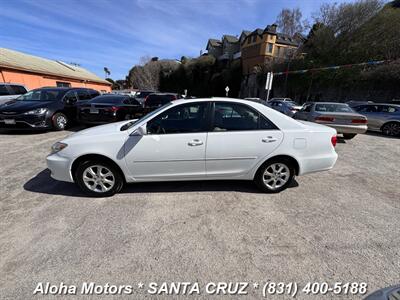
(249, 40)
(235, 117)
(63, 84)
(254, 38)
(184, 118)
(270, 47)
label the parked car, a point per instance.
(156, 100)
(10, 91)
(336, 115)
(109, 108)
(382, 117)
(44, 108)
(353, 103)
(287, 107)
(202, 139)
(141, 95)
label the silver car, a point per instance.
(10, 91)
(382, 117)
(336, 115)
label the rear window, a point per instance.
(3, 91)
(18, 89)
(109, 99)
(158, 100)
(328, 107)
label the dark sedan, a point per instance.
(109, 108)
(44, 108)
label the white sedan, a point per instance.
(201, 139)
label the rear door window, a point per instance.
(238, 117)
(83, 95)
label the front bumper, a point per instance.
(352, 129)
(60, 167)
(22, 121)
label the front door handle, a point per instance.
(268, 139)
(195, 142)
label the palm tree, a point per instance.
(107, 72)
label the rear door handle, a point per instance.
(268, 139)
(195, 142)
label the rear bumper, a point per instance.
(317, 164)
(355, 129)
(60, 167)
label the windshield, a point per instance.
(291, 103)
(41, 95)
(332, 107)
(145, 117)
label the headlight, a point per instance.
(57, 147)
(39, 111)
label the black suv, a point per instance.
(44, 108)
(155, 100)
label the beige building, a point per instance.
(262, 45)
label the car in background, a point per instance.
(109, 108)
(44, 108)
(353, 103)
(287, 107)
(142, 95)
(382, 117)
(336, 115)
(155, 100)
(202, 139)
(10, 91)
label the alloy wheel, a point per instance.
(392, 129)
(98, 178)
(61, 121)
(276, 175)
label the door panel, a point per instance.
(166, 156)
(240, 137)
(174, 146)
(236, 153)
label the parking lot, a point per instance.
(342, 225)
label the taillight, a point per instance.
(334, 140)
(324, 119)
(359, 121)
(145, 99)
(112, 108)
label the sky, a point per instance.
(117, 33)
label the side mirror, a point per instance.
(140, 131)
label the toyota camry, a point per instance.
(202, 139)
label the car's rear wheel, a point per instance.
(60, 121)
(275, 175)
(348, 136)
(99, 179)
(391, 129)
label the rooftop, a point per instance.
(26, 62)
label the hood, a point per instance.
(102, 130)
(23, 106)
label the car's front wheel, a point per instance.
(99, 179)
(60, 121)
(275, 175)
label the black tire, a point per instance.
(269, 165)
(96, 190)
(348, 136)
(59, 121)
(391, 129)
